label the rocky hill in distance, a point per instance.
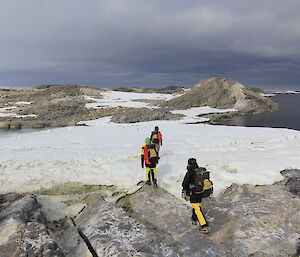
(165, 90)
(65, 105)
(223, 93)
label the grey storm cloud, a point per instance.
(149, 43)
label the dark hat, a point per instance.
(192, 161)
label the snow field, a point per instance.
(105, 153)
(125, 99)
(109, 154)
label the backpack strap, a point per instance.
(159, 136)
(146, 155)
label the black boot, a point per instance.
(195, 221)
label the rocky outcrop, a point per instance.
(65, 105)
(170, 219)
(165, 90)
(38, 125)
(15, 125)
(223, 93)
(245, 220)
(4, 125)
(292, 183)
(258, 221)
(118, 234)
(50, 105)
(23, 230)
(144, 114)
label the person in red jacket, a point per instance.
(156, 138)
(149, 158)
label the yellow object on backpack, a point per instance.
(207, 184)
(152, 153)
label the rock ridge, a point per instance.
(245, 220)
(223, 93)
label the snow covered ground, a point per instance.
(109, 154)
(192, 114)
(125, 99)
(268, 95)
(280, 92)
(4, 112)
(287, 92)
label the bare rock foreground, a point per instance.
(244, 221)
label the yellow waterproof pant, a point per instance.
(148, 170)
(197, 208)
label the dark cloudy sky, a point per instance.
(151, 43)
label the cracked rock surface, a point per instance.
(245, 220)
(23, 231)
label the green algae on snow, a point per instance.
(73, 188)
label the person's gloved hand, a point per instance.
(185, 195)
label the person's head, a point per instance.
(192, 161)
(156, 128)
(147, 140)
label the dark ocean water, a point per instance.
(287, 117)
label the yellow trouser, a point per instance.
(148, 171)
(197, 208)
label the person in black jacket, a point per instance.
(194, 197)
(156, 138)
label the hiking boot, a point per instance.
(148, 182)
(155, 182)
(204, 230)
(195, 222)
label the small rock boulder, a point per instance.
(4, 125)
(38, 125)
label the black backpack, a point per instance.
(154, 137)
(202, 184)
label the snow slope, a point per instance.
(107, 153)
(125, 99)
